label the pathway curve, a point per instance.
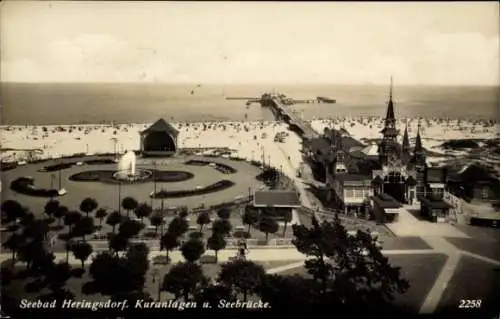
(439, 246)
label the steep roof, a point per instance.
(386, 201)
(161, 126)
(418, 142)
(406, 140)
(435, 203)
(370, 149)
(435, 175)
(354, 180)
(349, 142)
(390, 106)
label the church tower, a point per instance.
(388, 147)
(340, 164)
(420, 164)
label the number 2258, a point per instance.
(468, 304)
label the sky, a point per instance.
(418, 43)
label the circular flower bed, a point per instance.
(26, 186)
(220, 185)
(106, 176)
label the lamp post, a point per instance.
(154, 182)
(59, 173)
(120, 197)
(52, 179)
(156, 273)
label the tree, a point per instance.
(37, 230)
(137, 263)
(250, 216)
(183, 212)
(242, 276)
(67, 243)
(216, 242)
(224, 213)
(51, 207)
(268, 225)
(71, 218)
(14, 243)
(221, 227)
(27, 218)
(192, 250)
(60, 213)
(293, 292)
(350, 270)
(156, 220)
(203, 219)
(58, 275)
(287, 218)
(183, 279)
(168, 242)
(37, 258)
(118, 243)
(82, 251)
(143, 210)
(117, 276)
(88, 205)
(129, 204)
(114, 219)
(103, 271)
(12, 210)
(85, 226)
(100, 214)
(213, 293)
(178, 226)
(130, 228)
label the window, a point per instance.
(358, 193)
(484, 193)
(438, 191)
(349, 192)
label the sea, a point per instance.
(84, 103)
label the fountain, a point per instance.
(127, 170)
(127, 163)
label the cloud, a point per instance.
(456, 58)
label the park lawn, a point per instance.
(483, 248)
(480, 233)
(420, 270)
(403, 243)
(473, 279)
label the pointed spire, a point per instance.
(390, 105)
(406, 140)
(390, 90)
(418, 142)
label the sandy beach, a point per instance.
(249, 140)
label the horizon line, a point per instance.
(254, 83)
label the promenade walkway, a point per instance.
(408, 225)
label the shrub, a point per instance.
(241, 234)
(25, 186)
(196, 235)
(218, 186)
